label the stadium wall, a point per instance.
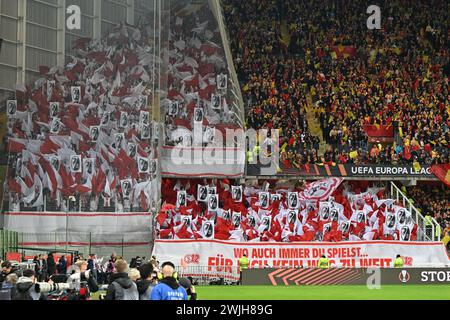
(333, 276)
(360, 254)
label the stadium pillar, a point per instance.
(97, 22)
(90, 243)
(21, 40)
(61, 33)
(130, 11)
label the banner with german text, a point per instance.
(207, 256)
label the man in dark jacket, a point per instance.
(121, 287)
(51, 265)
(7, 269)
(26, 289)
(62, 265)
(190, 289)
(147, 282)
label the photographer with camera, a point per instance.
(149, 279)
(7, 269)
(26, 288)
(190, 289)
(8, 287)
(82, 281)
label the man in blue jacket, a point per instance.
(168, 288)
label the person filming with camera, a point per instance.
(82, 281)
(26, 288)
(149, 279)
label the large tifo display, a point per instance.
(360, 254)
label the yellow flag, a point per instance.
(353, 154)
(416, 166)
(333, 55)
(284, 147)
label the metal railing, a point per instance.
(8, 242)
(430, 232)
(30, 244)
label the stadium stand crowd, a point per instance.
(397, 76)
(84, 129)
(198, 82)
(433, 200)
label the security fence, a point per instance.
(8, 242)
(31, 244)
(210, 275)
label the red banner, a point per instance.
(442, 171)
(343, 51)
(383, 133)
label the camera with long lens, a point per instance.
(44, 287)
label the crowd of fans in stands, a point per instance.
(198, 79)
(85, 128)
(433, 200)
(397, 76)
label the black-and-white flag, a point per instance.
(144, 118)
(222, 81)
(143, 165)
(126, 188)
(94, 133)
(104, 122)
(405, 233)
(236, 193)
(123, 121)
(55, 126)
(292, 216)
(88, 166)
(181, 198)
(145, 131)
(131, 150)
(293, 200)
(75, 163)
(173, 108)
(213, 202)
(266, 222)
(55, 162)
(11, 108)
(212, 190)
(236, 219)
(119, 140)
(142, 101)
(264, 199)
(198, 115)
(76, 94)
(54, 109)
(207, 230)
(216, 101)
(153, 166)
(202, 193)
(186, 220)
